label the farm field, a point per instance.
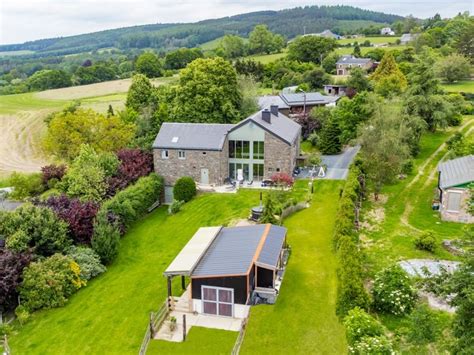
(211, 45)
(364, 50)
(462, 86)
(373, 40)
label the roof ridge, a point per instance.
(260, 245)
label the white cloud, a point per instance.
(22, 20)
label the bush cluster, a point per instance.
(184, 189)
(350, 292)
(26, 185)
(282, 179)
(175, 207)
(426, 241)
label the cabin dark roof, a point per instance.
(281, 126)
(193, 136)
(456, 172)
(235, 249)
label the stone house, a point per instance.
(347, 62)
(454, 179)
(252, 150)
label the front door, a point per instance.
(205, 176)
(217, 301)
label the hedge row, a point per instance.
(351, 292)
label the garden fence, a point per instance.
(156, 319)
(6, 348)
(240, 338)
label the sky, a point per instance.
(25, 20)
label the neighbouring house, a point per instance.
(454, 179)
(335, 89)
(229, 268)
(347, 62)
(295, 103)
(408, 37)
(325, 33)
(387, 31)
(252, 150)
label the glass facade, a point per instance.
(248, 156)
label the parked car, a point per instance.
(296, 171)
(267, 183)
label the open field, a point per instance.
(15, 53)
(462, 86)
(373, 40)
(364, 50)
(267, 58)
(211, 45)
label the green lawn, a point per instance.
(303, 320)
(110, 314)
(364, 50)
(462, 86)
(373, 40)
(10, 104)
(267, 58)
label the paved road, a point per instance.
(337, 165)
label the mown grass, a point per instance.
(303, 320)
(110, 315)
(267, 58)
(466, 86)
(10, 104)
(365, 50)
(373, 40)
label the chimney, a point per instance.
(274, 110)
(267, 116)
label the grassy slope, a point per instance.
(211, 45)
(110, 314)
(462, 86)
(21, 102)
(373, 40)
(303, 320)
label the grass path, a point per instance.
(303, 320)
(110, 315)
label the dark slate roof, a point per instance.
(456, 172)
(268, 100)
(195, 136)
(234, 249)
(312, 98)
(349, 59)
(271, 250)
(281, 126)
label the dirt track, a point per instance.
(20, 141)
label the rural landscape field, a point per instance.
(240, 179)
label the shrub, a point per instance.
(378, 345)
(359, 324)
(133, 202)
(269, 210)
(48, 283)
(184, 189)
(407, 167)
(36, 227)
(282, 179)
(175, 207)
(22, 314)
(26, 185)
(5, 329)
(88, 261)
(393, 291)
(424, 325)
(52, 171)
(106, 237)
(11, 269)
(77, 214)
(426, 241)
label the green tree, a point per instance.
(424, 97)
(356, 52)
(329, 62)
(358, 80)
(316, 78)
(149, 64)
(181, 57)
(262, 40)
(49, 79)
(464, 42)
(249, 92)
(311, 48)
(453, 68)
(269, 211)
(140, 92)
(232, 46)
(106, 237)
(208, 92)
(329, 142)
(388, 78)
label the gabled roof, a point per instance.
(349, 59)
(268, 100)
(312, 98)
(236, 249)
(195, 136)
(456, 172)
(281, 126)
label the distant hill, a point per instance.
(290, 23)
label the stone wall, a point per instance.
(463, 215)
(173, 168)
(279, 156)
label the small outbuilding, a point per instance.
(455, 178)
(228, 267)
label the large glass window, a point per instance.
(231, 149)
(239, 149)
(258, 172)
(258, 150)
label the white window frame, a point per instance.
(181, 154)
(165, 154)
(217, 301)
(460, 201)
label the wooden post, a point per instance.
(169, 292)
(184, 327)
(183, 282)
(152, 329)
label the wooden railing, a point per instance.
(156, 319)
(240, 337)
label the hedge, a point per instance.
(134, 202)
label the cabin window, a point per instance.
(164, 154)
(217, 300)
(454, 201)
(181, 154)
